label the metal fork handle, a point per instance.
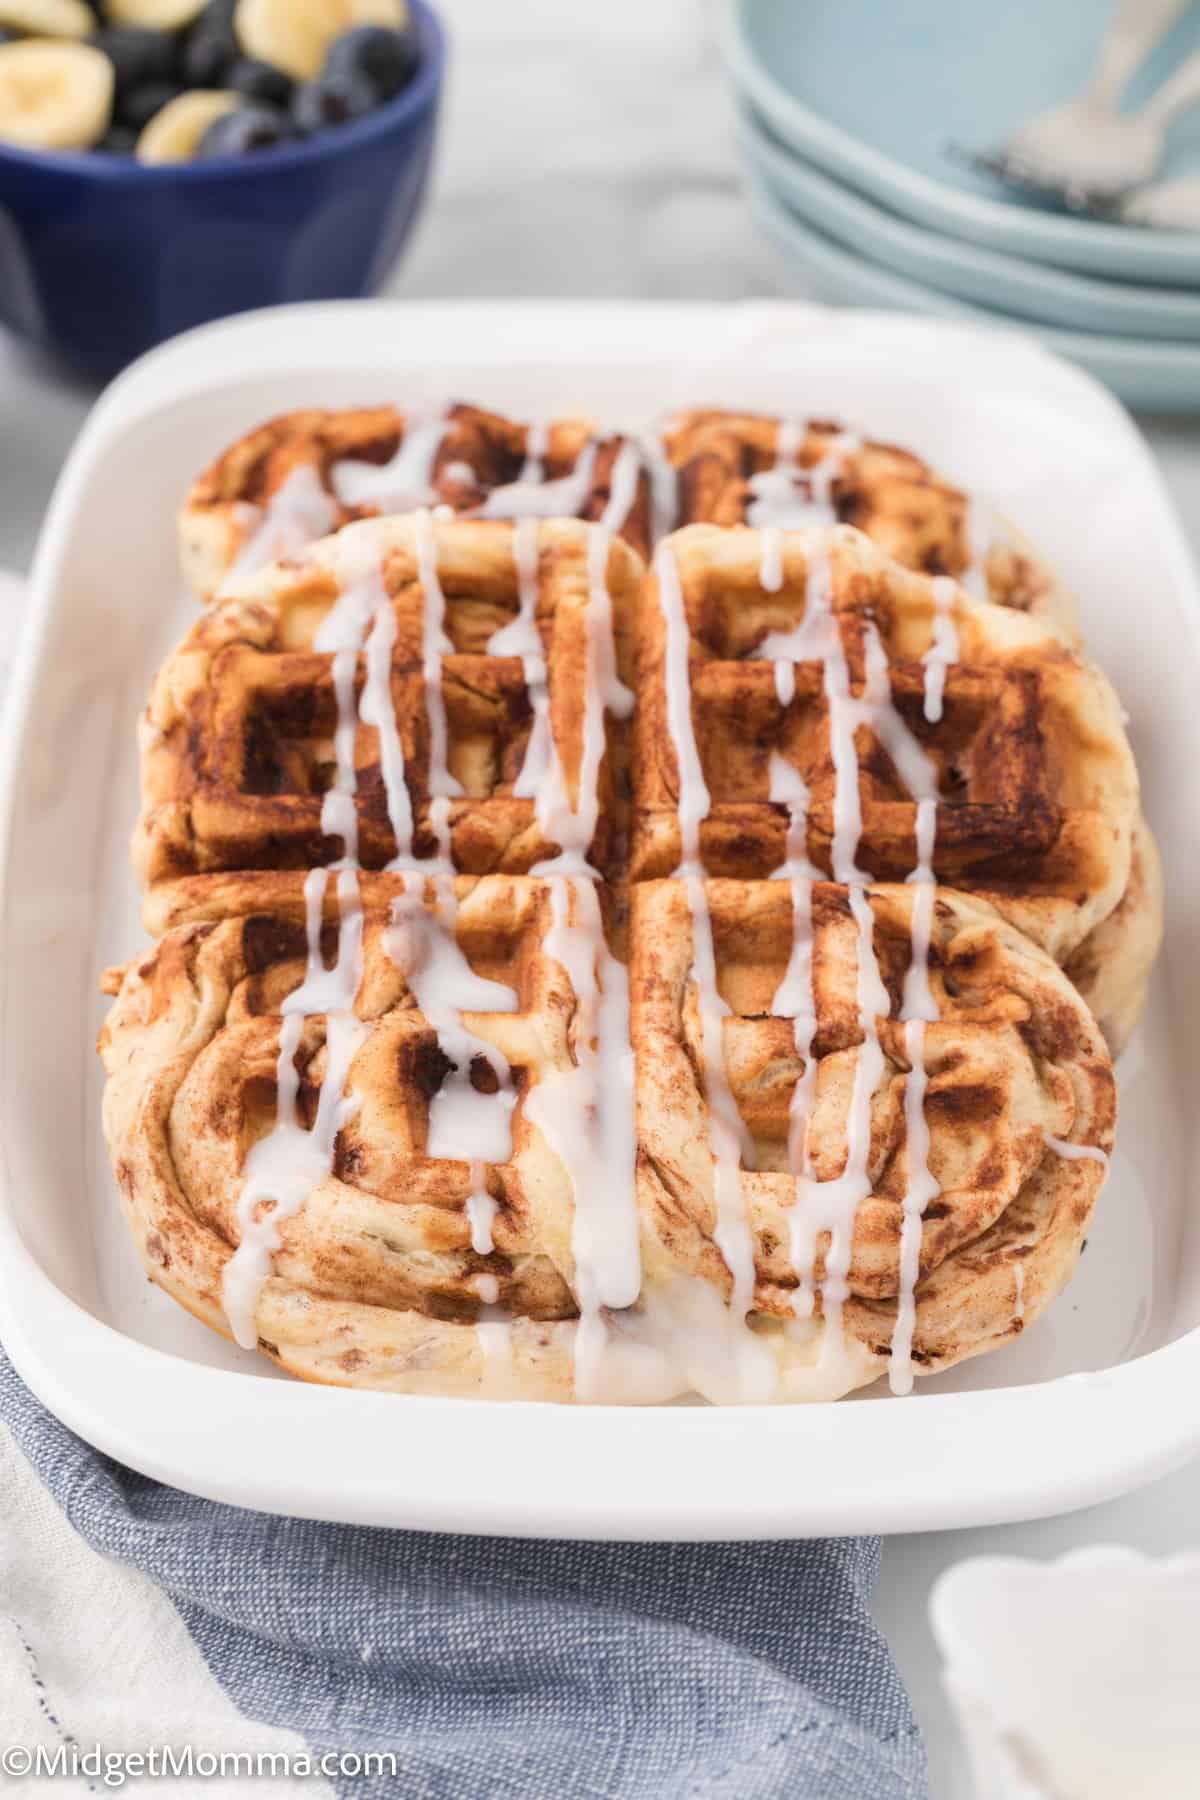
(1135, 28)
(1179, 91)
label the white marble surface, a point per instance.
(587, 151)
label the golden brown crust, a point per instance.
(478, 452)
(896, 499)
(1038, 789)
(238, 735)
(1111, 967)
(377, 1283)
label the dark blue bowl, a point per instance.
(102, 258)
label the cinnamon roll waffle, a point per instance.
(779, 474)
(415, 1206)
(301, 476)
(984, 747)
(486, 661)
(580, 983)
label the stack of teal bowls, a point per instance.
(849, 117)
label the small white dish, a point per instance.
(1076, 1679)
(1097, 1398)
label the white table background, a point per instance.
(586, 151)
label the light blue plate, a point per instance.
(1143, 372)
(873, 91)
(993, 279)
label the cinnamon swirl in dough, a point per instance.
(299, 477)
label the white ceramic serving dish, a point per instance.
(1096, 1398)
(1077, 1677)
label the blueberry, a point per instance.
(209, 48)
(7, 36)
(118, 140)
(246, 129)
(138, 105)
(259, 81)
(332, 101)
(386, 59)
(137, 56)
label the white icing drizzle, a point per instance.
(586, 1115)
(481, 1212)
(918, 1000)
(494, 1336)
(540, 768)
(831, 1206)
(664, 488)
(434, 646)
(481, 1215)
(464, 1124)
(1076, 1152)
(536, 439)
(729, 1141)
(981, 534)
(919, 1190)
(300, 511)
(694, 797)
(943, 652)
(770, 573)
(541, 499)
(775, 493)
(623, 485)
(377, 708)
(283, 1168)
(789, 788)
(1019, 1292)
(404, 483)
(779, 502)
(584, 1112)
(573, 827)
(795, 999)
(520, 636)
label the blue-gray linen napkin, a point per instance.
(510, 1668)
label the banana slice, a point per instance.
(54, 95)
(48, 18)
(174, 132)
(295, 35)
(154, 15)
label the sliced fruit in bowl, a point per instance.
(180, 69)
(174, 134)
(155, 15)
(297, 35)
(47, 18)
(54, 94)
